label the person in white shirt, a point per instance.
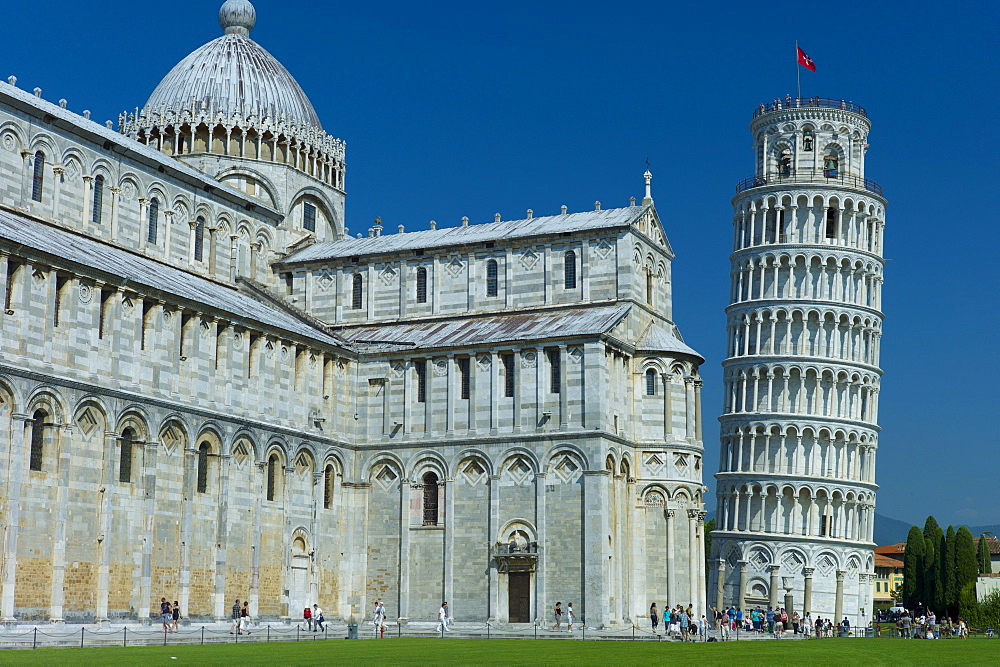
(317, 619)
(442, 625)
(570, 617)
(378, 619)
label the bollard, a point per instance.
(297, 628)
(81, 637)
(203, 635)
(164, 636)
(269, 632)
(34, 638)
(633, 632)
(125, 637)
(536, 630)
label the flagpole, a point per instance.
(798, 71)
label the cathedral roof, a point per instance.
(234, 74)
(660, 340)
(155, 277)
(491, 329)
(452, 236)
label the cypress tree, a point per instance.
(985, 565)
(948, 596)
(932, 567)
(913, 568)
(966, 568)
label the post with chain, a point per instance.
(125, 637)
(81, 637)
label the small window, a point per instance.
(464, 369)
(508, 375)
(420, 366)
(203, 451)
(154, 218)
(554, 370)
(421, 285)
(569, 269)
(308, 217)
(272, 476)
(492, 288)
(98, 202)
(38, 176)
(430, 499)
(357, 292)
(37, 439)
(199, 239)
(650, 382)
(328, 480)
(125, 456)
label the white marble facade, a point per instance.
(796, 482)
(210, 390)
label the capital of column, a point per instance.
(671, 513)
(841, 574)
(693, 514)
(808, 572)
(773, 569)
(743, 566)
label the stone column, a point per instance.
(143, 224)
(115, 207)
(695, 558)
(492, 537)
(12, 522)
(105, 523)
(671, 563)
(563, 388)
(668, 417)
(149, 528)
(189, 456)
(742, 596)
(255, 531)
(540, 601)
(838, 613)
(773, 598)
(808, 592)
(61, 511)
(689, 432)
(221, 535)
(57, 177)
(697, 410)
(449, 488)
(405, 489)
(596, 550)
(87, 200)
(720, 584)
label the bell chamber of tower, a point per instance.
(799, 429)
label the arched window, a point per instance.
(203, 451)
(785, 164)
(357, 293)
(650, 382)
(38, 176)
(430, 499)
(830, 166)
(125, 456)
(272, 476)
(569, 269)
(831, 222)
(37, 439)
(421, 285)
(199, 238)
(328, 480)
(154, 218)
(807, 139)
(491, 278)
(308, 217)
(98, 201)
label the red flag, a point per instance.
(805, 60)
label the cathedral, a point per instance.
(210, 389)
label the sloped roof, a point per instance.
(491, 329)
(138, 270)
(473, 233)
(889, 549)
(887, 561)
(658, 339)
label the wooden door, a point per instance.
(519, 597)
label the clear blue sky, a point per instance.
(457, 108)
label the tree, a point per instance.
(913, 568)
(948, 595)
(709, 527)
(966, 568)
(985, 565)
(932, 568)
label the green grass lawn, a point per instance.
(532, 652)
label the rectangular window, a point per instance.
(831, 223)
(60, 288)
(554, 370)
(508, 375)
(420, 366)
(102, 325)
(464, 369)
(309, 217)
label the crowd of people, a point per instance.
(678, 623)
(775, 621)
(927, 626)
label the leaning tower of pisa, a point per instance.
(796, 481)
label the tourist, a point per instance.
(378, 622)
(442, 624)
(307, 617)
(557, 614)
(683, 621)
(318, 619)
(796, 622)
(236, 618)
(175, 610)
(702, 628)
(570, 617)
(769, 616)
(669, 621)
(654, 618)
(165, 614)
(245, 617)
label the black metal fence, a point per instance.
(789, 102)
(810, 176)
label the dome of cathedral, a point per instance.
(234, 75)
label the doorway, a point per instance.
(519, 597)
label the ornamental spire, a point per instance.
(237, 17)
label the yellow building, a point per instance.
(888, 573)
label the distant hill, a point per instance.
(892, 531)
